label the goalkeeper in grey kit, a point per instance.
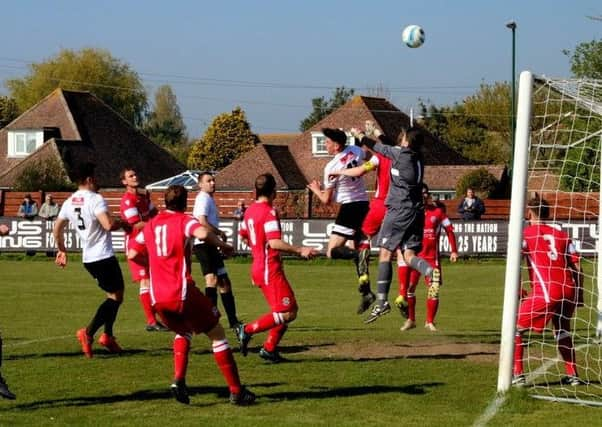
(404, 221)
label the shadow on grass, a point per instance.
(325, 392)
(142, 395)
(327, 329)
(99, 352)
(451, 356)
(222, 393)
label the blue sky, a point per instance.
(272, 57)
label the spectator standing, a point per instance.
(471, 207)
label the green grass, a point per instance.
(341, 372)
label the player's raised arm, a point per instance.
(325, 196)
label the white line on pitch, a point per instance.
(499, 400)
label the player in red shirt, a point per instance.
(183, 308)
(435, 219)
(556, 278)
(260, 230)
(136, 208)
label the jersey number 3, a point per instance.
(80, 221)
(552, 252)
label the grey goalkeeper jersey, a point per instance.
(407, 171)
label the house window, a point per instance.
(443, 194)
(23, 143)
(318, 143)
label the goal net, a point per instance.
(557, 154)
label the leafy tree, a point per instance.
(165, 126)
(478, 128)
(88, 69)
(227, 137)
(8, 110)
(46, 176)
(480, 180)
(322, 107)
(586, 59)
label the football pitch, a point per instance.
(339, 370)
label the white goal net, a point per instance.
(557, 154)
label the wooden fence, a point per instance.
(300, 204)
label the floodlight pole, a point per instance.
(512, 25)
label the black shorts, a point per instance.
(350, 218)
(402, 228)
(107, 273)
(211, 259)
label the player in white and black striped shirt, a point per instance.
(350, 192)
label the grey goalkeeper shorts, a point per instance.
(402, 228)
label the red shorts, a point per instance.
(138, 268)
(374, 218)
(279, 294)
(196, 314)
(535, 313)
(139, 265)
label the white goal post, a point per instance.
(558, 154)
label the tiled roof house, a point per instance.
(73, 127)
(296, 161)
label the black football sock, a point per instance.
(99, 318)
(385, 274)
(363, 261)
(211, 293)
(111, 315)
(229, 307)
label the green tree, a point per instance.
(322, 107)
(8, 110)
(88, 69)
(586, 59)
(227, 137)
(478, 128)
(165, 126)
(481, 181)
(46, 176)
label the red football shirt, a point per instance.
(435, 218)
(383, 175)
(135, 207)
(548, 251)
(165, 239)
(260, 224)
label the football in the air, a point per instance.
(413, 36)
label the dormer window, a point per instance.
(318, 143)
(23, 143)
